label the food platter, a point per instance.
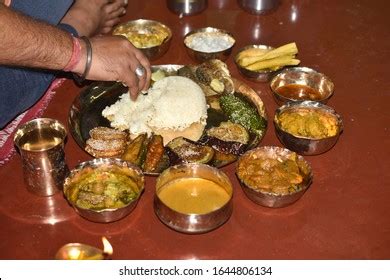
(86, 111)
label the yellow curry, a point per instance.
(145, 38)
(193, 195)
(310, 123)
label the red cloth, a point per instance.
(7, 134)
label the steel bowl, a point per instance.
(110, 214)
(302, 76)
(258, 7)
(264, 197)
(257, 76)
(187, 222)
(208, 32)
(186, 7)
(146, 26)
(306, 145)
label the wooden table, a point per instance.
(344, 214)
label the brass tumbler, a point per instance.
(41, 146)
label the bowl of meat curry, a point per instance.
(273, 176)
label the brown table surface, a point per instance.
(345, 212)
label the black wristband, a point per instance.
(80, 79)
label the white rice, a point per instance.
(209, 42)
(172, 103)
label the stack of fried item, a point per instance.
(258, 59)
(106, 142)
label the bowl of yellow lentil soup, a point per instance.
(193, 198)
(307, 127)
(273, 176)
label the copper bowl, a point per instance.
(147, 27)
(187, 222)
(265, 197)
(109, 214)
(202, 55)
(257, 76)
(303, 77)
(306, 145)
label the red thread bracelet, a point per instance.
(76, 55)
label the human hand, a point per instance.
(114, 58)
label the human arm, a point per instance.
(30, 43)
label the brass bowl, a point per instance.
(261, 195)
(109, 214)
(302, 76)
(305, 145)
(145, 27)
(189, 222)
(257, 76)
(202, 55)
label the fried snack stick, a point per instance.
(251, 52)
(273, 63)
(285, 50)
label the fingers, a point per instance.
(140, 76)
(107, 26)
(116, 59)
(115, 6)
(105, 30)
(144, 62)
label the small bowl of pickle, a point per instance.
(307, 127)
(104, 190)
(150, 36)
(300, 84)
(273, 176)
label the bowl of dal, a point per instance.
(193, 198)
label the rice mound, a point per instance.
(175, 106)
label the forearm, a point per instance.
(30, 43)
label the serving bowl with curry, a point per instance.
(104, 189)
(150, 36)
(273, 176)
(300, 84)
(308, 127)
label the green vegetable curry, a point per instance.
(105, 187)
